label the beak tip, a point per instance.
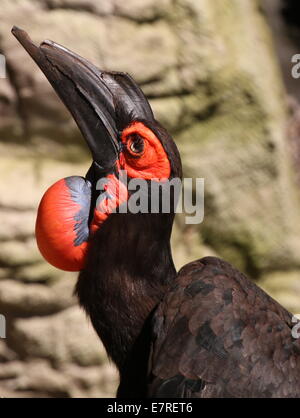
(16, 31)
(24, 39)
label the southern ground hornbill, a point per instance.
(206, 331)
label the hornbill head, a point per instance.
(118, 125)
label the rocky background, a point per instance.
(213, 76)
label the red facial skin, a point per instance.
(118, 194)
(152, 162)
(55, 224)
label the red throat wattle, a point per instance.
(62, 228)
(56, 228)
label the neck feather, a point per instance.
(128, 270)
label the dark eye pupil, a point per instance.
(137, 144)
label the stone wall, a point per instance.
(213, 80)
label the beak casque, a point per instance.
(102, 103)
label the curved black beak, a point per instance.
(102, 103)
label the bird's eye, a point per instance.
(136, 145)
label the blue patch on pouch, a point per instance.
(80, 190)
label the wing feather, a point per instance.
(217, 334)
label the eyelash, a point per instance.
(138, 141)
